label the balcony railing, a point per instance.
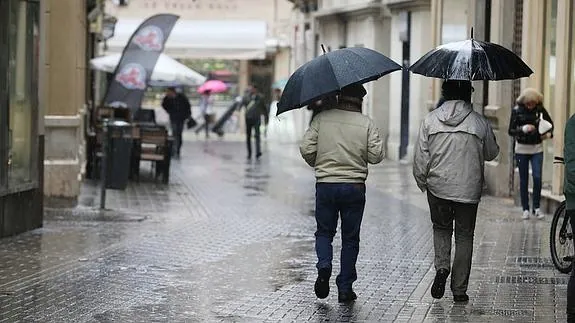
(305, 6)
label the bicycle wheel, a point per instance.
(561, 240)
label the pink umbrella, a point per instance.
(214, 86)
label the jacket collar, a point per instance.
(348, 103)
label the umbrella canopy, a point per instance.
(471, 60)
(214, 86)
(167, 70)
(327, 74)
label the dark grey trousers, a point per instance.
(443, 214)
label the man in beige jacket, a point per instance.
(339, 144)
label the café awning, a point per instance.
(220, 39)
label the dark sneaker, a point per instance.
(461, 298)
(258, 155)
(438, 287)
(321, 286)
(346, 297)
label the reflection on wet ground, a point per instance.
(231, 240)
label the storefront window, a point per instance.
(3, 93)
(22, 77)
(454, 22)
(549, 86)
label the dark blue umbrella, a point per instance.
(471, 60)
(327, 74)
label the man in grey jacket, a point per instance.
(339, 144)
(454, 143)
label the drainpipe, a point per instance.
(343, 22)
(486, 38)
(404, 130)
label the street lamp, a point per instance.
(120, 3)
(108, 28)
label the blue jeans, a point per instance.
(536, 170)
(332, 201)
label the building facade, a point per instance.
(551, 23)
(255, 32)
(541, 31)
(21, 133)
(343, 24)
(305, 45)
(65, 93)
(397, 28)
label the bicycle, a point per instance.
(561, 242)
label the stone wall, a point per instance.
(63, 95)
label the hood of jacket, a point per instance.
(449, 157)
(453, 112)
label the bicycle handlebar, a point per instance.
(558, 160)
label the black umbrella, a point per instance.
(471, 60)
(327, 74)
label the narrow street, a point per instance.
(230, 240)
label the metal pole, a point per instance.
(104, 170)
(486, 38)
(404, 128)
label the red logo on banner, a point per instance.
(132, 76)
(150, 38)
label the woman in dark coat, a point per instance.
(523, 125)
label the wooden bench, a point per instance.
(155, 146)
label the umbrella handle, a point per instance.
(323, 48)
(471, 32)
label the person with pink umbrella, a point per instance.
(214, 86)
(206, 101)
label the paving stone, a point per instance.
(232, 241)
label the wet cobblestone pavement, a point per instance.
(232, 241)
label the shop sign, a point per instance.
(184, 5)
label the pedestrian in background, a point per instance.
(569, 192)
(179, 109)
(280, 128)
(523, 125)
(206, 103)
(454, 143)
(339, 144)
(255, 110)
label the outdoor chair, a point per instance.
(145, 116)
(154, 146)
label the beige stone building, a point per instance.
(396, 28)
(64, 94)
(541, 31)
